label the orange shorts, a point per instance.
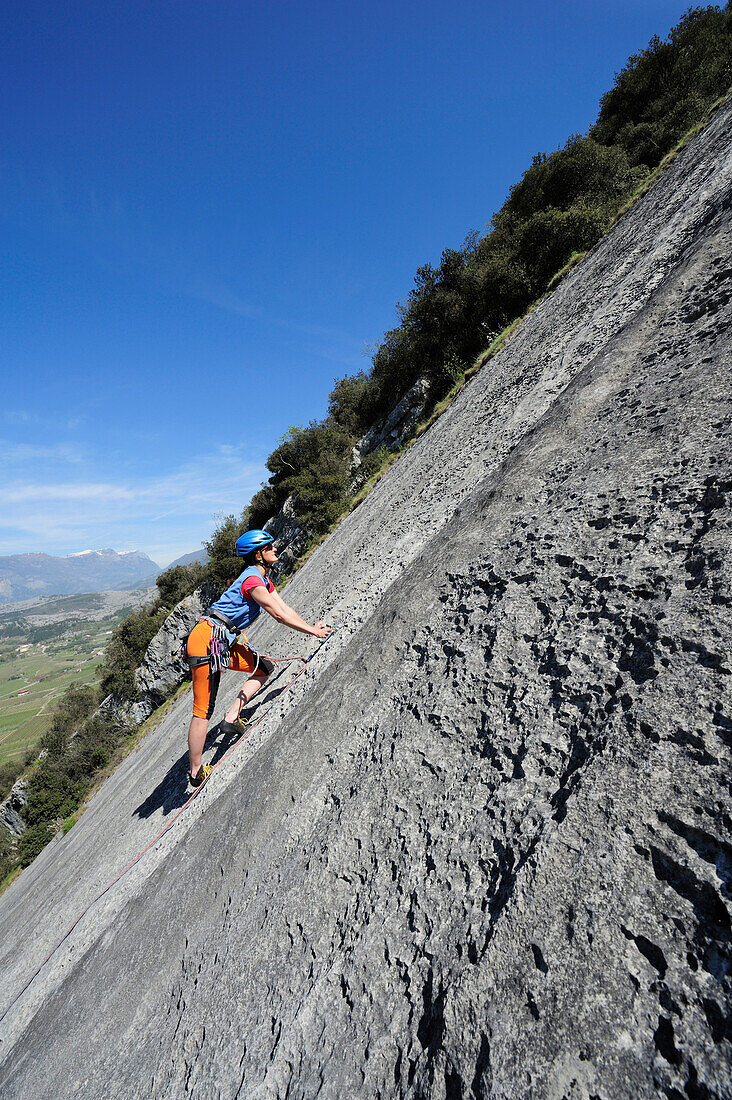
(206, 685)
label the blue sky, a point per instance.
(209, 211)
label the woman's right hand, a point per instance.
(322, 630)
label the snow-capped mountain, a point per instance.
(26, 575)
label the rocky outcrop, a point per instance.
(400, 423)
(392, 432)
(482, 847)
(11, 807)
(291, 537)
(162, 671)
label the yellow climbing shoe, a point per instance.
(201, 775)
(234, 729)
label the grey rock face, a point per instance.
(161, 671)
(398, 426)
(291, 537)
(11, 806)
(482, 847)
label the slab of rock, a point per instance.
(482, 847)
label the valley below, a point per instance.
(47, 643)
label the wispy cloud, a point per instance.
(22, 493)
(74, 515)
(226, 300)
(18, 454)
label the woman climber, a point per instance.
(212, 643)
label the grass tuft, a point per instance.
(10, 877)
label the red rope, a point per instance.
(169, 826)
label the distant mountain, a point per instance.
(187, 559)
(25, 575)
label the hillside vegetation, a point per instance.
(562, 206)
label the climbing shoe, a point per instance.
(234, 729)
(201, 775)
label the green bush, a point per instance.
(449, 372)
(126, 650)
(177, 583)
(53, 791)
(348, 404)
(265, 503)
(311, 464)
(76, 703)
(372, 463)
(547, 239)
(583, 173)
(32, 843)
(321, 485)
(665, 89)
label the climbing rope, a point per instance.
(174, 818)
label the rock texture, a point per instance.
(398, 426)
(291, 537)
(10, 809)
(162, 671)
(482, 848)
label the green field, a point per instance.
(65, 652)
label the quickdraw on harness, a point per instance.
(219, 654)
(218, 648)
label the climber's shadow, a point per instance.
(171, 792)
(173, 789)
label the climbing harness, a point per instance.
(219, 650)
(223, 620)
(211, 769)
(219, 655)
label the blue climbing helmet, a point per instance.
(252, 540)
